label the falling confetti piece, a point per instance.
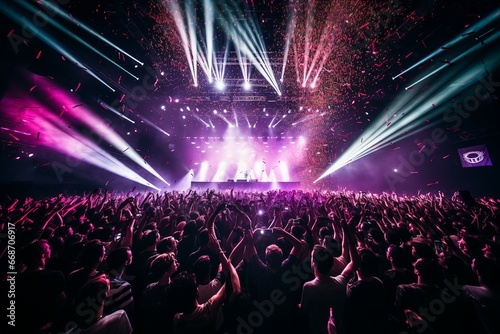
(432, 184)
(39, 54)
(132, 189)
(421, 149)
(31, 89)
(77, 105)
(107, 182)
(77, 87)
(125, 149)
(413, 172)
(446, 156)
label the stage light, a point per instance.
(395, 170)
(163, 108)
(220, 85)
(162, 73)
(183, 116)
(313, 85)
(429, 104)
(247, 85)
(215, 112)
(176, 100)
(30, 155)
(182, 110)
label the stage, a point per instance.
(245, 185)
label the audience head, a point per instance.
(203, 238)
(202, 268)
(376, 235)
(92, 294)
(35, 254)
(183, 292)
(322, 260)
(119, 258)
(392, 237)
(92, 254)
(274, 256)
(167, 245)
(422, 249)
(150, 238)
(164, 264)
(396, 256)
(297, 231)
(488, 272)
(429, 272)
(369, 264)
(190, 228)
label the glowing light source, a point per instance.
(220, 85)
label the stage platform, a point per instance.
(244, 185)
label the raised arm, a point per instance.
(353, 252)
(297, 245)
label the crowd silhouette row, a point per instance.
(253, 262)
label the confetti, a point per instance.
(32, 88)
(39, 54)
(432, 184)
